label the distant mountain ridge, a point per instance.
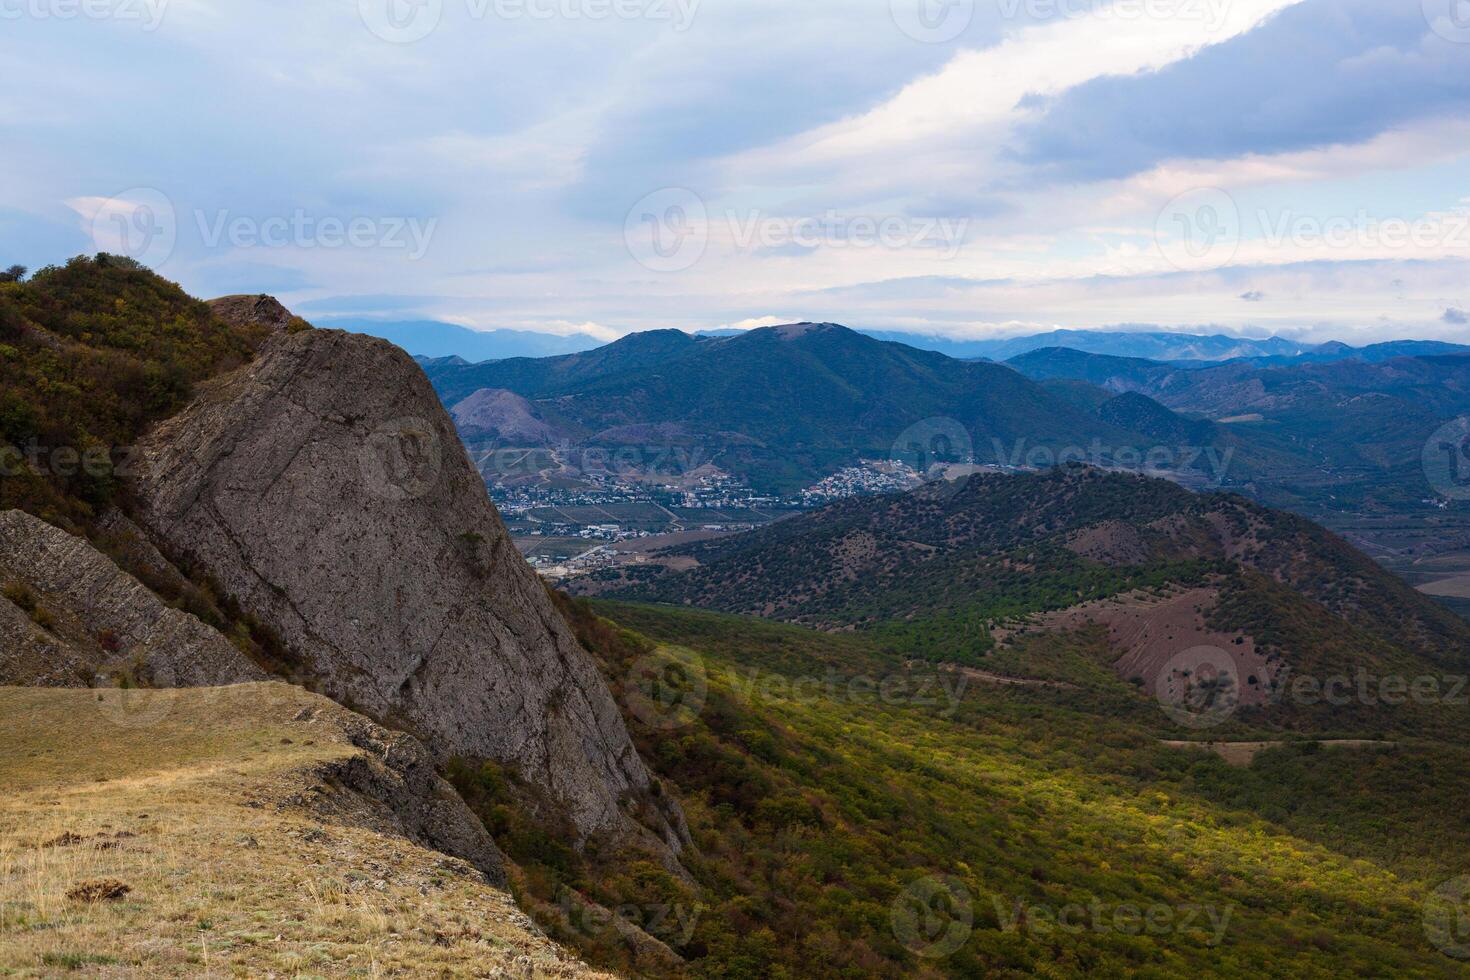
(1363, 422)
(944, 569)
(783, 405)
(434, 339)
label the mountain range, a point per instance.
(270, 657)
(779, 405)
(771, 406)
(1362, 424)
(436, 339)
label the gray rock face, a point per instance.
(70, 616)
(405, 795)
(324, 489)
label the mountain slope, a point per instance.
(782, 405)
(860, 816)
(946, 571)
(91, 353)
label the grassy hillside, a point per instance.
(212, 819)
(91, 353)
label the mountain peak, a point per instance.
(793, 331)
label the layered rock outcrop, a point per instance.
(252, 311)
(323, 488)
(70, 617)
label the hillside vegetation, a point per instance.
(826, 818)
(91, 353)
(954, 560)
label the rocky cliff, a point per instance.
(324, 489)
(70, 617)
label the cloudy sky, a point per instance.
(964, 168)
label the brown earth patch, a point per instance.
(1243, 753)
(1150, 631)
(1112, 543)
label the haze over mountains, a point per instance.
(427, 338)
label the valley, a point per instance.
(532, 491)
(928, 712)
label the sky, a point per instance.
(954, 168)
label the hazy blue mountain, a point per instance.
(1154, 345)
(431, 338)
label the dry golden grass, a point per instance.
(191, 799)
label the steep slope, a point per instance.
(69, 617)
(256, 829)
(322, 487)
(498, 415)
